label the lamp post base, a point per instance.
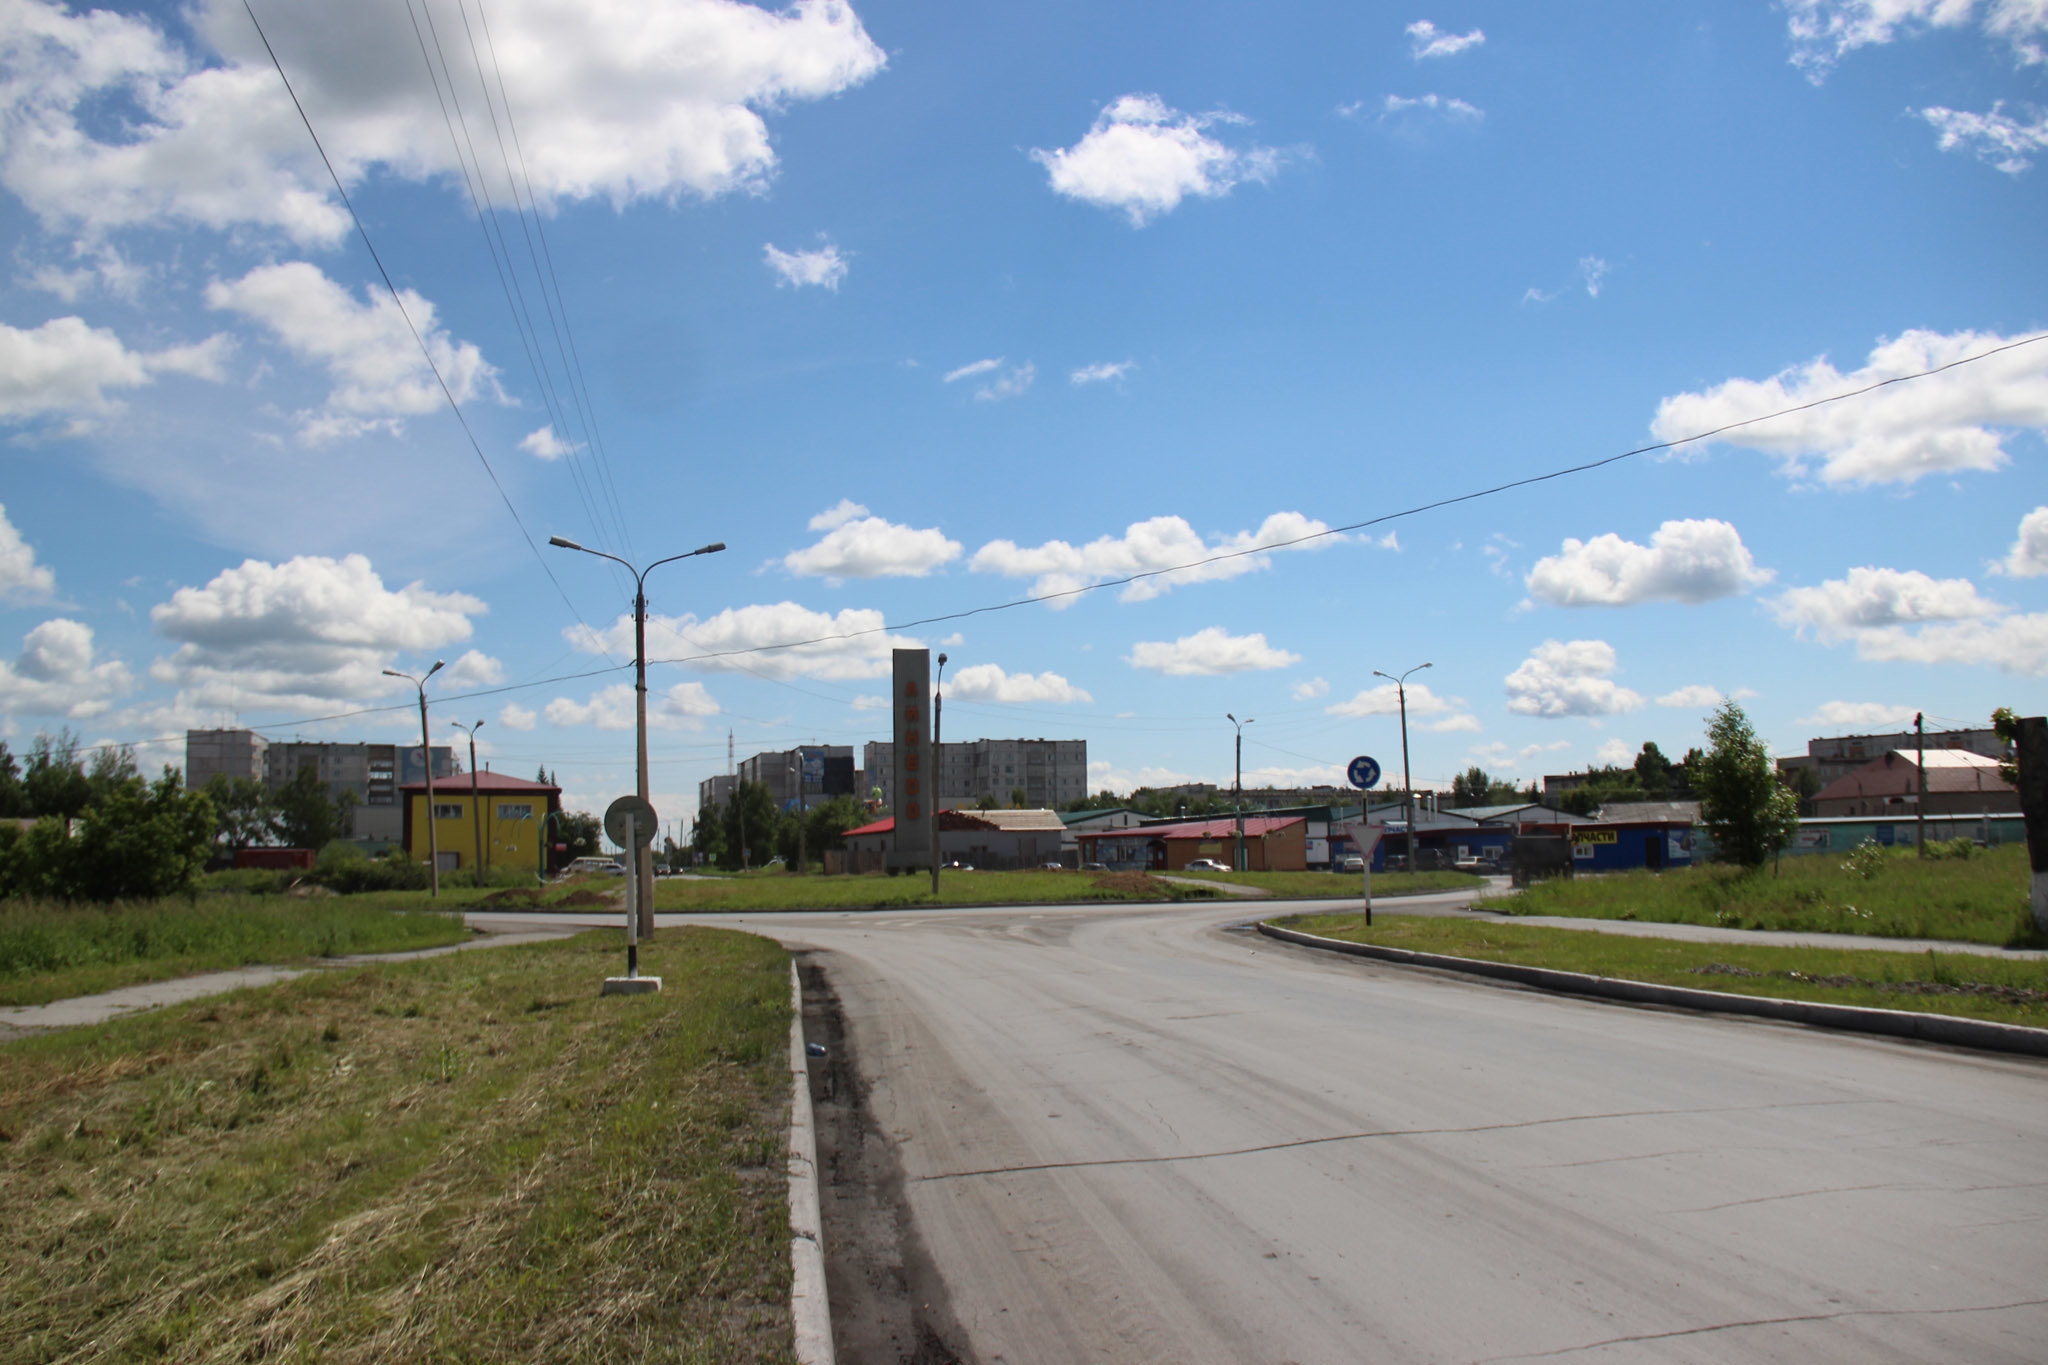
(631, 985)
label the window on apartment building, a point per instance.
(448, 810)
(515, 810)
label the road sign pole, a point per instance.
(630, 822)
(632, 905)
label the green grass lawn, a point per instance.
(471, 1157)
(2008, 990)
(1323, 885)
(50, 951)
(1981, 899)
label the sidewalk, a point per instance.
(97, 1009)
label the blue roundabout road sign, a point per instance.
(1364, 773)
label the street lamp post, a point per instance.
(644, 861)
(1407, 787)
(1237, 787)
(427, 758)
(796, 770)
(938, 766)
(476, 809)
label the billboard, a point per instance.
(910, 692)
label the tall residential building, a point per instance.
(1832, 759)
(827, 772)
(1049, 772)
(223, 753)
(372, 772)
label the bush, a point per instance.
(1958, 848)
(352, 876)
(1866, 860)
(244, 881)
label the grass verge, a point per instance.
(1325, 885)
(1980, 899)
(875, 891)
(2010, 991)
(471, 1157)
(50, 951)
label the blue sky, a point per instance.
(926, 308)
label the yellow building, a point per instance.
(484, 818)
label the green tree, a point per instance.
(54, 781)
(1749, 813)
(1653, 771)
(140, 840)
(308, 815)
(707, 834)
(244, 815)
(13, 795)
(1603, 786)
(581, 832)
(1471, 787)
(751, 821)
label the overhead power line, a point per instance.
(399, 302)
(1037, 598)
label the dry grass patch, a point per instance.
(469, 1158)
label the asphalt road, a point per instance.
(1130, 1135)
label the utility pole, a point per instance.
(1237, 787)
(427, 758)
(476, 810)
(1920, 804)
(1407, 786)
(938, 766)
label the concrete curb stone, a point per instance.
(810, 1310)
(1982, 1034)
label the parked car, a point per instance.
(1052, 865)
(1354, 864)
(1095, 867)
(1205, 865)
(957, 866)
(599, 867)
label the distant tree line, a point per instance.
(747, 829)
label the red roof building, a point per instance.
(1958, 783)
(1272, 843)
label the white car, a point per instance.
(1205, 865)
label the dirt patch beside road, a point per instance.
(888, 1301)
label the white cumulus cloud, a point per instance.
(2028, 557)
(775, 640)
(838, 514)
(66, 367)
(1694, 696)
(1144, 158)
(1872, 717)
(1945, 423)
(1385, 700)
(1151, 548)
(988, 682)
(1106, 372)
(1427, 41)
(302, 634)
(56, 674)
(1686, 561)
(1569, 678)
(22, 580)
(513, 716)
(1995, 137)
(368, 350)
(870, 547)
(1450, 107)
(824, 267)
(618, 102)
(1871, 598)
(1209, 652)
(1310, 690)
(681, 707)
(545, 445)
(1825, 31)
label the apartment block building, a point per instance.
(372, 772)
(1048, 772)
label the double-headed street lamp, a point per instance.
(1237, 787)
(476, 810)
(644, 860)
(427, 757)
(1407, 788)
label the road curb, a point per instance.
(1981, 1034)
(809, 1308)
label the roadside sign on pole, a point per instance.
(1364, 773)
(629, 822)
